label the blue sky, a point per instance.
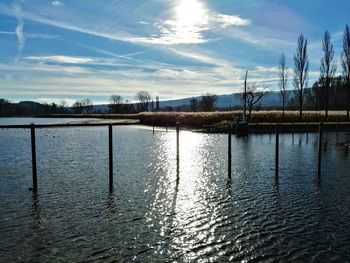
(75, 49)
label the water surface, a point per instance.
(150, 218)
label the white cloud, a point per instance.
(142, 22)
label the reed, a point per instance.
(198, 119)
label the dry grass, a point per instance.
(198, 119)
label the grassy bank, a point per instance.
(199, 119)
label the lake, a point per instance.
(150, 218)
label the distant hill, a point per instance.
(270, 99)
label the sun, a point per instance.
(190, 13)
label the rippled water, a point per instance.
(150, 218)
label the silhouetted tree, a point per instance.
(157, 103)
(87, 106)
(194, 105)
(314, 96)
(116, 104)
(253, 96)
(82, 106)
(208, 102)
(77, 107)
(328, 68)
(152, 106)
(62, 106)
(7, 108)
(283, 82)
(301, 71)
(345, 61)
(144, 99)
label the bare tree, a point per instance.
(328, 69)
(194, 105)
(144, 99)
(301, 71)
(87, 106)
(253, 96)
(345, 60)
(208, 102)
(82, 106)
(77, 107)
(116, 103)
(283, 82)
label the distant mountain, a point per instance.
(270, 99)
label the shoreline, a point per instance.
(216, 122)
(219, 122)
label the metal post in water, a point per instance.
(177, 151)
(35, 180)
(277, 153)
(319, 148)
(110, 136)
(229, 153)
(336, 128)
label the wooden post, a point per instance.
(277, 153)
(319, 148)
(110, 136)
(229, 153)
(35, 180)
(177, 152)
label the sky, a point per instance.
(53, 50)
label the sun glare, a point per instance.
(190, 13)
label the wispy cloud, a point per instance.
(56, 3)
(7, 33)
(61, 59)
(227, 20)
(19, 29)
